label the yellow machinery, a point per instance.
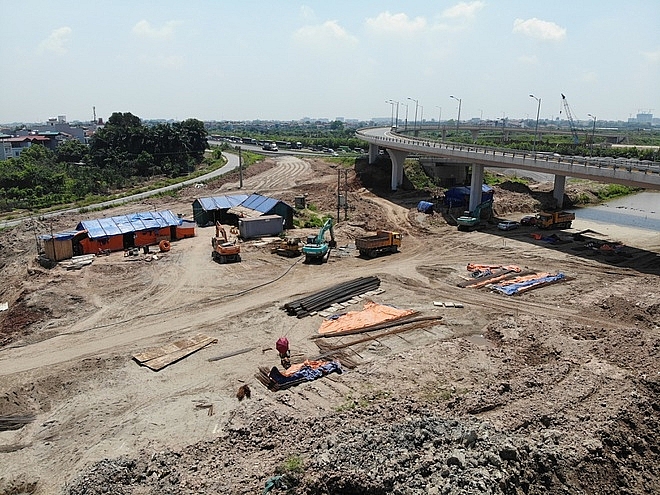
(223, 250)
(289, 247)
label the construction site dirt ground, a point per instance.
(568, 373)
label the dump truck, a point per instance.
(383, 242)
(554, 220)
(223, 250)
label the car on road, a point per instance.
(269, 147)
(528, 220)
(507, 225)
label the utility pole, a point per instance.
(240, 169)
(338, 193)
(593, 134)
(346, 195)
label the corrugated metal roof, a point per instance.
(259, 203)
(60, 236)
(134, 222)
(221, 202)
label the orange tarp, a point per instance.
(372, 314)
(473, 267)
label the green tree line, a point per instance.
(122, 153)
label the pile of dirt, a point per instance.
(553, 391)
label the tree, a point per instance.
(71, 151)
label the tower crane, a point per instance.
(571, 122)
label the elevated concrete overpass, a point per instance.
(635, 173)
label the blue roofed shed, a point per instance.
(207, 211)
(133, 222)
(257, 205)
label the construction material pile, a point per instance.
(510, 279)
(336, 294)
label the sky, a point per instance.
(285, 60)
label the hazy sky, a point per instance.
(285, 60)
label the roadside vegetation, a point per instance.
(127, 157)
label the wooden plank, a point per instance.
(157, 352)
(159, 363)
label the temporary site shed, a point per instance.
(265, 225)
(60, 246)
(207, 211)
(127, 231)
(257, 205)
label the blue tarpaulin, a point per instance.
(425, 207)
(306, 373)
(133, 222)
(460, 196)
(512, 289)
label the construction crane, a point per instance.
(569, 115)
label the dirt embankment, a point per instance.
(551, 391)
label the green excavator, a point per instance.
(471, 219)
(316, 249)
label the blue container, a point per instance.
(425, 207)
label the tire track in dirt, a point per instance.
(288, 172)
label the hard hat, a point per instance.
(282, 345)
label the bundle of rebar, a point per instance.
(336, 294)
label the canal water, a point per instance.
(641, 211)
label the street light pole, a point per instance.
(593, 134)
(458, 120)
(439, 116)
(405, 128)
(421, 116)
(396, 120)
(391, 102)
(416, 105)
(536, 129)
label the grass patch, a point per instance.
(292, 465)
(417, 176)
(492, 179)
(611, 191)
(441, 392)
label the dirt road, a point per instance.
(572, 365)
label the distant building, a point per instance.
(60, 125)
(644, 118)
(13, 146)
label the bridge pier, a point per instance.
(475, 134)
(558, 191)
(475, 186)
(397, 158)
(373, 153)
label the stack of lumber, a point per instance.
(160, 357)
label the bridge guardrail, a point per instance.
(628, 164)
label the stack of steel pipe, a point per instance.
(335, 294)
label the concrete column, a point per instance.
(397, 157)
(373, 153)
(475, 135)
(558, 191)
(475, 185)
